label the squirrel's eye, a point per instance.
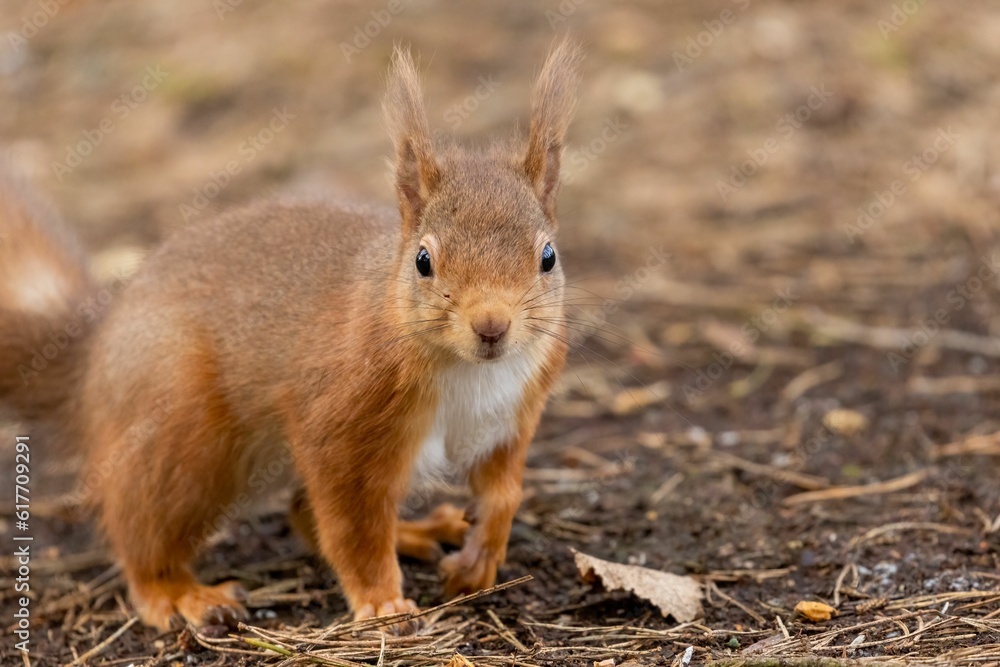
(548, 257)
(424, 262)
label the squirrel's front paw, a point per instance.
(396, 606)
(469, 570)
(164, 604)
(214, 605)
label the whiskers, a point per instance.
(608, 365)
(412, 317)
(576, 316)
(416, 334)
(583, 315)
(424, 326)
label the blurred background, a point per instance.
(780, 218)
(681, 95)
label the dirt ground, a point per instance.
(780, 225)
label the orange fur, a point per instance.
(421, 539)
(301, 339)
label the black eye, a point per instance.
(548, 257)
(424, 262)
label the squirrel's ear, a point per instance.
(417, 172)
(552, 105)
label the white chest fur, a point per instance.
(477, 410)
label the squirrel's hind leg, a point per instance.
(164, 476)
(420, 539)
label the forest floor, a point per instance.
(785, 383)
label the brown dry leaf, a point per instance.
(652, 440)
(565, 407)
(459, 660)
(728, 338)
(635, 399)
(845, 422)
(676, 596)
(815, 611)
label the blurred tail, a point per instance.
(44, 284)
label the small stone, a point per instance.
(845, 422)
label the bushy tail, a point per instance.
(44, 286)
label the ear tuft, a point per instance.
(417, 173)
(552, 104)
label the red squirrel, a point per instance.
(371, 347)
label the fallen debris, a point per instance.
(842, 492)
(675, 595)
(817, 612)
(845, 422)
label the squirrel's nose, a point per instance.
(491, 330)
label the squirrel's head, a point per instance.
(480, 276)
